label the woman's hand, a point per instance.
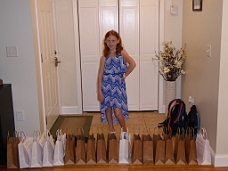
(130, 61)
(123, 77)
(100, 97)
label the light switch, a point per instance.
(173, 9)
(20, 115)
(208, 51)
(11, 51)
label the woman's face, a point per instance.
(112, 42)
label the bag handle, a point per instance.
(80, 134)
(189, 132)
(59, 134)
(124, 135)
(168, 132)
(80, 131)
(204, 133)
(91, 131)
(21, 136)
(15, 134)
(138, 131)
(180, 110)
(36, 135)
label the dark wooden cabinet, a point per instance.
(6, 119)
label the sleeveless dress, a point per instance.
(114, 90)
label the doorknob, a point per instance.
(57, 61)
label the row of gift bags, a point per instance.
(66, 149)
(186, 147)
(38, 151)
(69, 149)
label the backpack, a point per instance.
(193, 120)
(176, 116)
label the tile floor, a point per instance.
(138, 122)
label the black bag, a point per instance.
(176, 117)
(193, 120)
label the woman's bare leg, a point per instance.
(120, 117)
(108, 113)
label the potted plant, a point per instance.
(171, 61)
(171, 67)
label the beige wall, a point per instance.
(202, 73)
(173, 30)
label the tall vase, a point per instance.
(170, 92)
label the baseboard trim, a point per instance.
(70, 110)
(219, 160)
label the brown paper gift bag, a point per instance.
(80, 157)
(112, 149)
(137, 150)
(180, 148)
(148, 158)
(190, 147)
(159, 149)
(169, 151)
(101, 149)
(12, 151)
(70, 150)
(90, 151)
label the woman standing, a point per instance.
(115, 66)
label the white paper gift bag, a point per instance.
(203, 148)
(37, 151)
(59, 150)
(124, 148)
(47, 143)
(24, 150)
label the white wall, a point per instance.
(16, 30)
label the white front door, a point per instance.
(49, 61)
(90, 51)
(129, 31)
(149, 43)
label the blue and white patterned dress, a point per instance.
(113, 89)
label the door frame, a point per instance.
(38, 66)
(77, 54)
(38, 63)
(161, 98)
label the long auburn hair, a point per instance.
(119, 46)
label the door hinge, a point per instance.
(41, 58)
(46, 120)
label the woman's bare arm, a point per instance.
(100, 95)
(130, 61)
